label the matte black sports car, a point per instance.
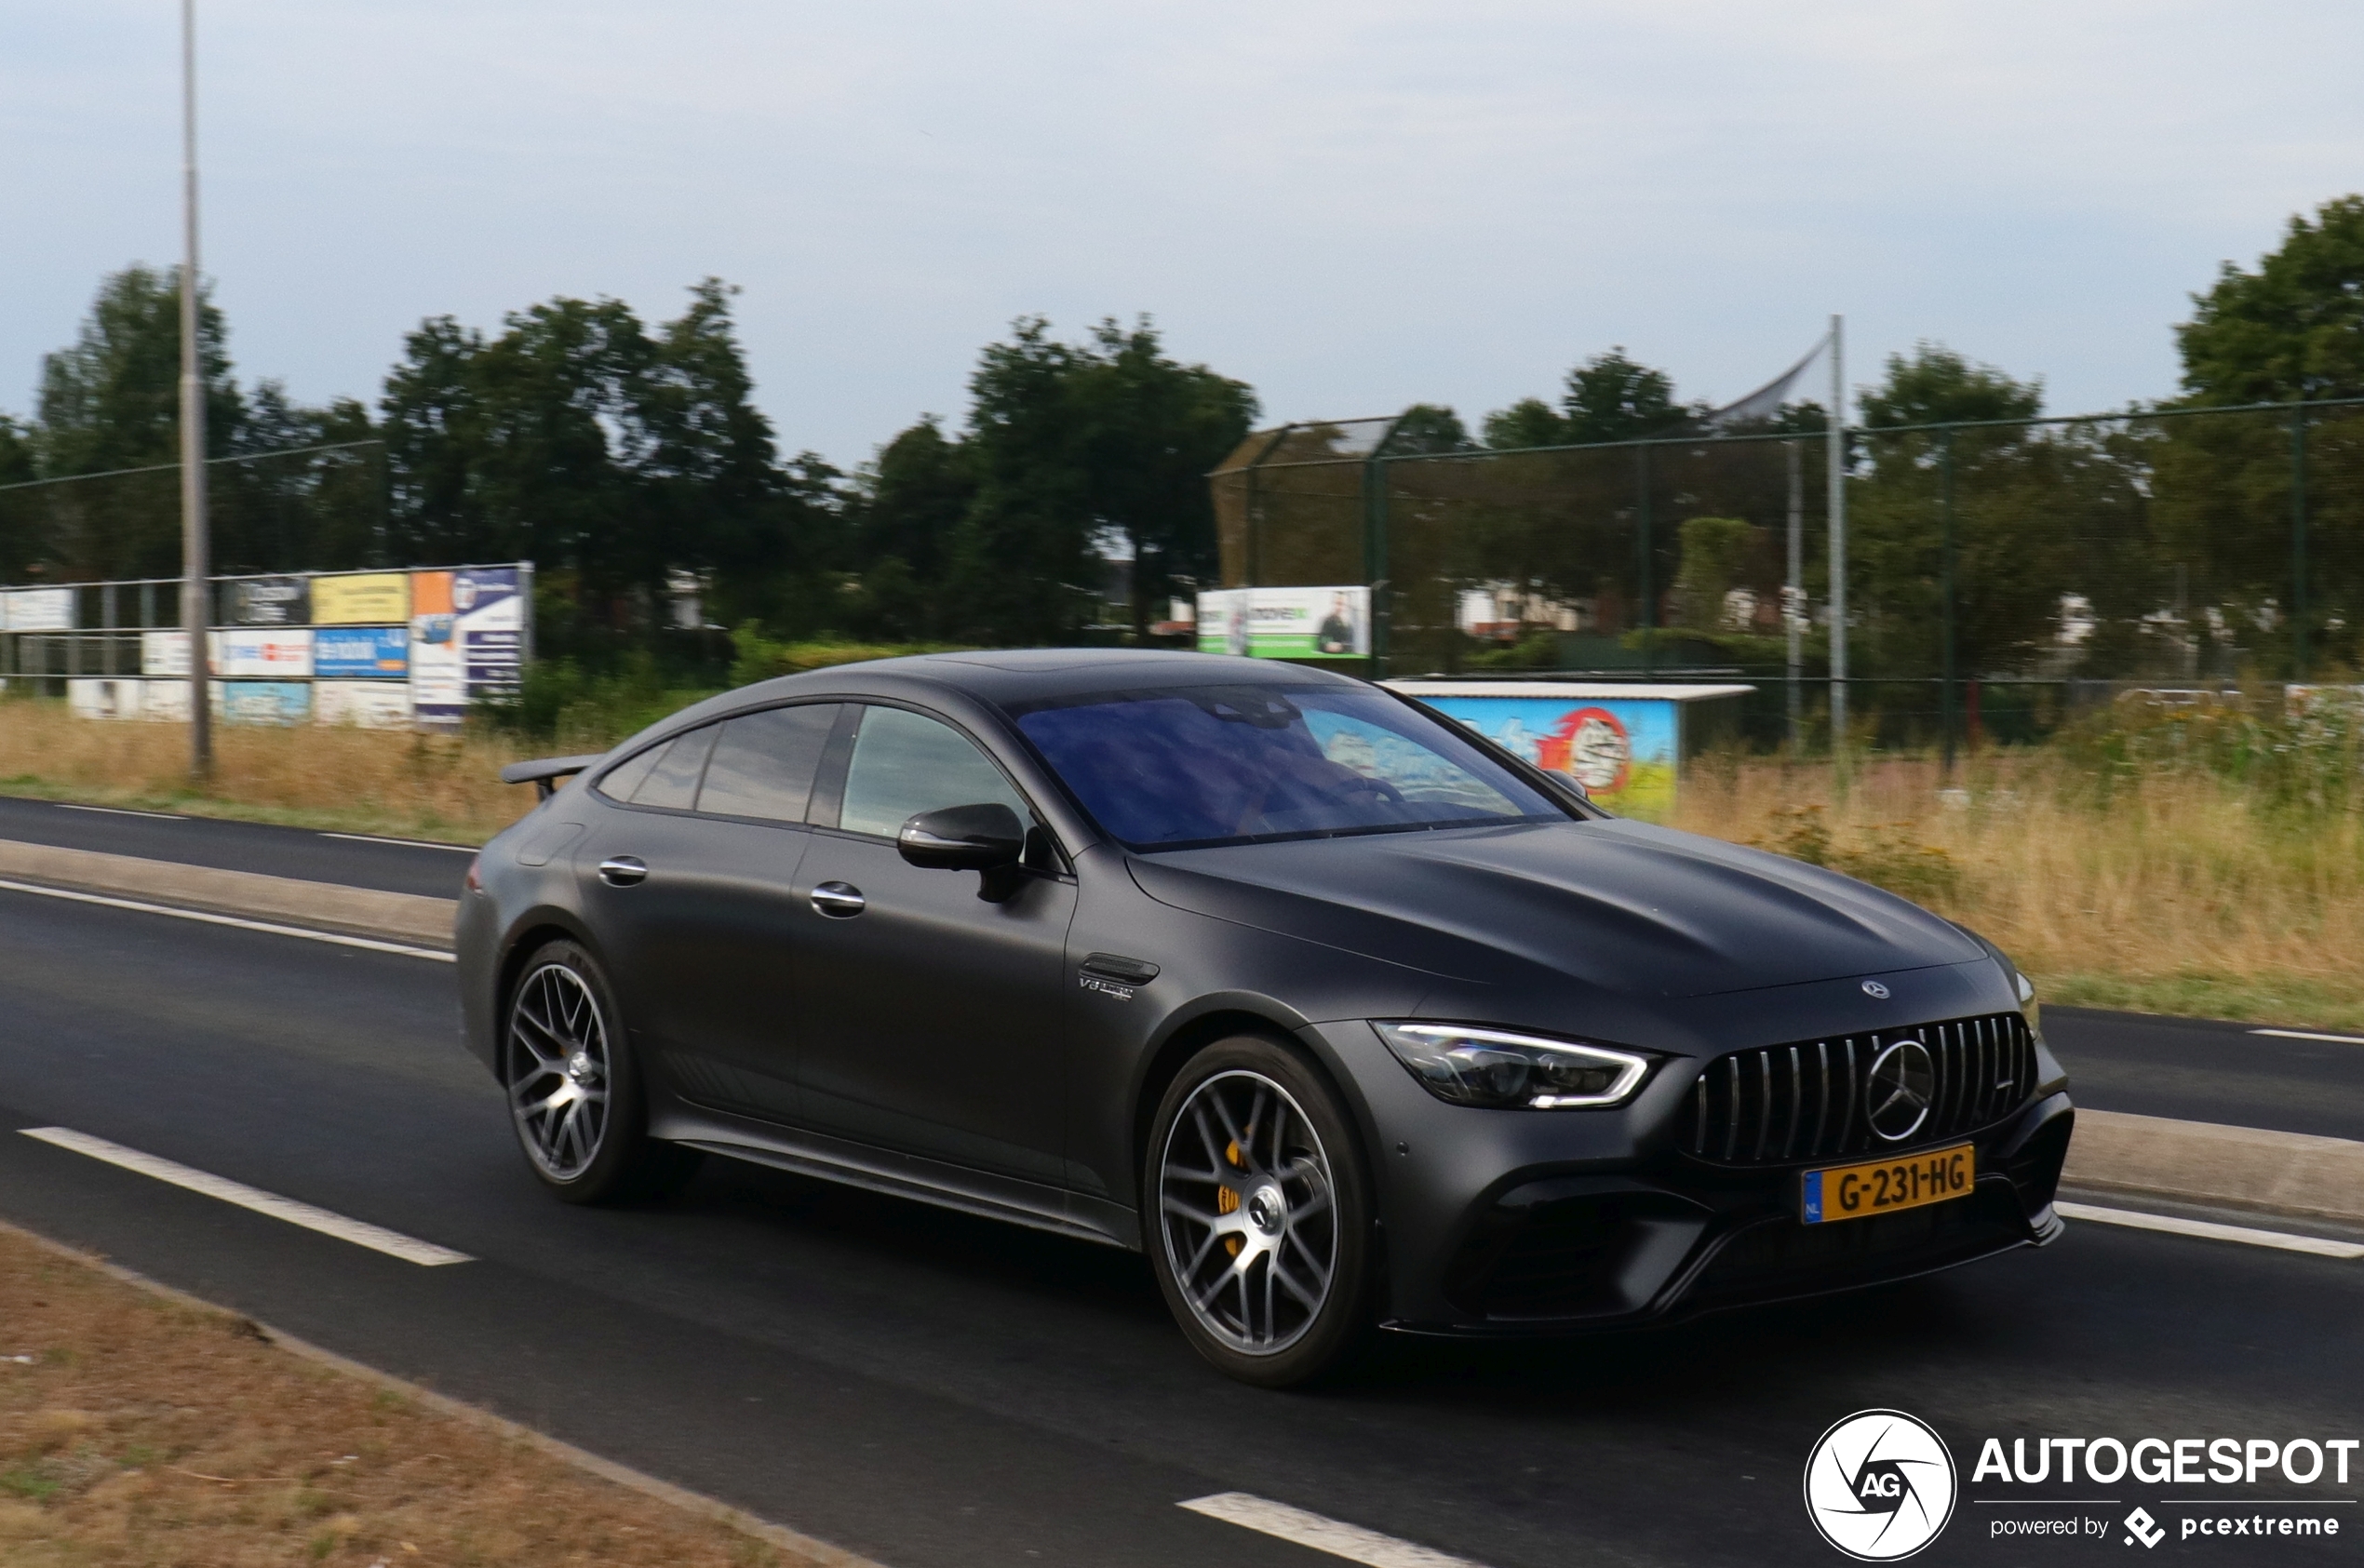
(1341, 1014)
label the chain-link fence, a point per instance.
(1998, 573)
(305, 509)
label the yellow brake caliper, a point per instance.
(1228, 1202)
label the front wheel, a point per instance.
(575, 1096)
(1261, 1234)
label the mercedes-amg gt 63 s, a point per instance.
(1344, 1016)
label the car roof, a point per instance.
(1024, 675)
(999, 677)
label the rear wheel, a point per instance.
(1262, 1216)
(575, 1094)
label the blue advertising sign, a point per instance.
(264, 702)
(361, 653)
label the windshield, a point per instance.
(1180, 767)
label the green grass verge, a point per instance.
(191, 803)
(2284, 1001)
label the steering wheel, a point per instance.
(1363, 784)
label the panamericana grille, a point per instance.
(1806, 1101)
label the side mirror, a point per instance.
(963, 838)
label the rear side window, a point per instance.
(904, 764)
(764, 763)
(674, 781)
(619, 782)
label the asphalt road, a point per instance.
(301, 852)
(942, 1392)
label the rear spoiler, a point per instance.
(544, 774)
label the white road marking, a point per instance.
(361, 1234)
(1349, 1541)
(2309, 1034)
(410, 843)
(116, 811)
(2283, 1240)
(370, 942)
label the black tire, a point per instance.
(1243, 1208)
(576, 1099)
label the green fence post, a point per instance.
(2298, 541)
(1647, 616)
(1945, 588)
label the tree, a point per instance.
(907, 510)
(611, 455)
(19, 538)
(2021, 495)
(1429, 429)
(1715, 559)
(113, 400)
(1071, 442)
(1935, 385)
(2294, 327)
(1611, 397)
(1530, 421)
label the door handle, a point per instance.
(840, 901)
(623, 871)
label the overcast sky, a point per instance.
(1351, 204)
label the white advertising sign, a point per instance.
(105, 698)
(37, 609)
(164, 702)
(365, 704)
(265, 653)
(1333, 622)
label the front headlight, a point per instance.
(2030, 1009)
(1474, 1066)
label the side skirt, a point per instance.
(906, 1175)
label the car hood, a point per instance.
(1621, 905)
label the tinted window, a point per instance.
(764, 763)
(674, 781)
(1203, 765)
(904, 764)
(619, 782)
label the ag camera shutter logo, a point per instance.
(1880, 1485)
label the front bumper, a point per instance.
(1508, 1224)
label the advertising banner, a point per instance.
(492, 629)
(253, 653)
(263, 701)
(267, 602)
(106, 698)
(166, 702)
(37, 609)
(370, 598)
(164, 653)
(1332, 622)
(361, 653)
(439, 681)
(1622, 749)
(366, 704)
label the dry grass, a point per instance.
(141, 1431)
(408, 785)
(2174, 893)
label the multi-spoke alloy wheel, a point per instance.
(1249, 1213)
(560, 1070)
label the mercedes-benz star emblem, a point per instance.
(1897, 1090)
(1875, 990)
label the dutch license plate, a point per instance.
(1879, 1187)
